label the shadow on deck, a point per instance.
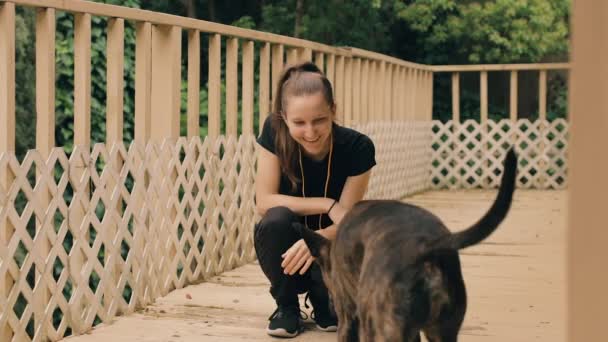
(515, 282)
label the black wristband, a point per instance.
(332, 206)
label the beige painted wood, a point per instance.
(115, 81)
(395, 73)
(542, 95)
(264, 90)
(330, 71)
(45, 80)
(339, 89)
(7, 77)
(320, 61)
(194, 83)
(356, 91)
(306, 54)
(513, 96)
(232, 86)
(82, 79)
(166, 82)
(456, 97)
(247, 87)
(45, 136)
(278, 53)
(348, 92)
(500, 67)
(143, 82)
(157, 18)
(7, 138)
(415, 94)
(214, 84)
(587, 234)
(387, 59)
(409, 109)
(381, 91)
(401, 88)
(483, 95)
(429, 114)
(292, 56)
(365, 94)
(513, 282)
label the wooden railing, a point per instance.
(105, 229)
(469, 154)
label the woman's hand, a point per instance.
(297, 257)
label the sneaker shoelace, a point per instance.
(280, 311)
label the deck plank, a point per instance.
(515, 283)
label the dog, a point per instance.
(393, 270)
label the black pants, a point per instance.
(274, 235)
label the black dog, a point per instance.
(394, 270)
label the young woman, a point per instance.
(310, 170)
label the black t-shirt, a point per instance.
(353, 154)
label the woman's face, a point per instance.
(309, 119)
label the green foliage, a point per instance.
(500, 31)
(64, 100)
(331, 22)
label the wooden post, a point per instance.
(456, 97)
(357, 98)
(166, 82)
(194, 83)
(339, 89)
(431, 80)
(82, 80)
(348, 92)
(45, 142)
(292, 56)
(232, 86)
(215, 64)
(115, 81)
(381, 91)
(542, 95)
(114, 139)
(320, 61)
(7, 141)
(483, 121)
(143, 82)
(82, 143)
(365, 95)
(513, 97)
(330, 71)
(247, 87)
(588, 166)
(483, 96)
(277, 67)
(264, 84)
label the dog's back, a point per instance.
(394, 268)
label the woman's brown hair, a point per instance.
(297, 80)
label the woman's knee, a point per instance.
(277, 218)
(274, 230)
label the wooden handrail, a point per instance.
(500, 67)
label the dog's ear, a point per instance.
(317, 244)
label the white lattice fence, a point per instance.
(470, 154)
(403, 157)
(103, 232)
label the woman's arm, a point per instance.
(353, 192)
(267, 189)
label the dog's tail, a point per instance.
(492, 218)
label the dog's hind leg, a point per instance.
(348, 330)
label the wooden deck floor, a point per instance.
(515, 282)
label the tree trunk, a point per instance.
(211, 10)
(190, 8)
(299, 14)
